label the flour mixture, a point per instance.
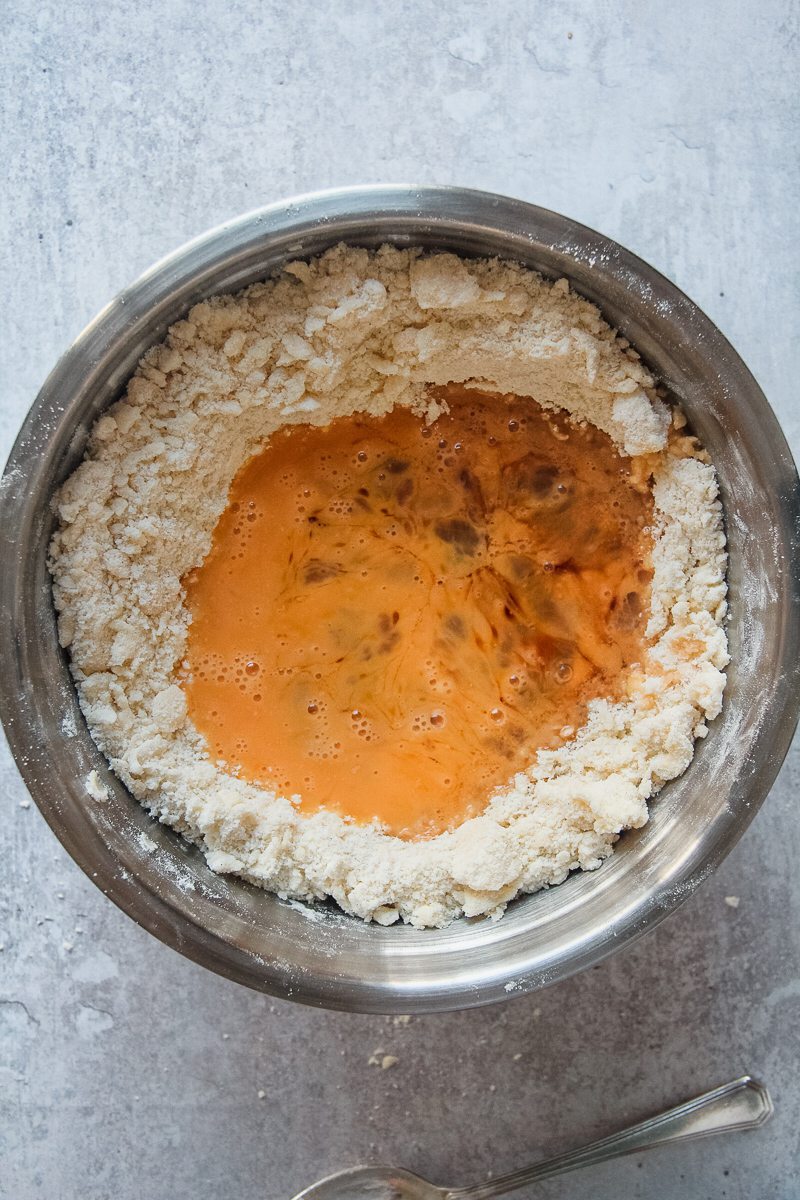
(395, 580)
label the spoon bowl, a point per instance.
(372, 1183)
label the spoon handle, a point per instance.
(742, 1104)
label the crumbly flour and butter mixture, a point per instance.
(394, 579)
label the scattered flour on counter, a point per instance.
(364, 331)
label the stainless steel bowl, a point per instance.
(318, 955)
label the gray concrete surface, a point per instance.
(129, 1072)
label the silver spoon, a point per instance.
(741, 1104)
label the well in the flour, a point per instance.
(396, 615)
(393, 336)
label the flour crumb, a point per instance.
(404, 1020)
(25, 803)
(96, 788)
(261, 1093)
(732, 901)
(517, 1057)
(379, 1058)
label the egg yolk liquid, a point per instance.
(394, 617)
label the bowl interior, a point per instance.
(318, 954)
